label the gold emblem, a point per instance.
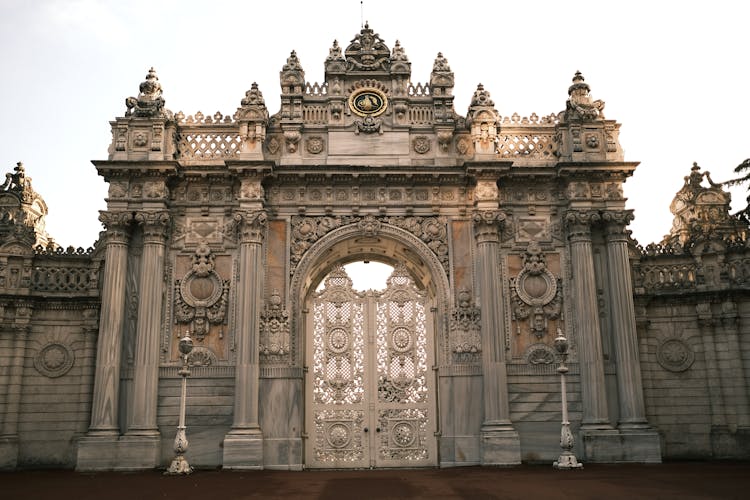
(368, 102)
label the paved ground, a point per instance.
(688, 480)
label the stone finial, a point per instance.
(23, 210)
(292, 63)
(149, 103)
(580, 105)
(481, 98)
(399, 54)
(334, 53)
(441, 64)
(253, 97)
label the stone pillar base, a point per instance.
(613, 446)
(243, 450)
(8, 452)
(97, 453)
(500, 447)
(138, 452)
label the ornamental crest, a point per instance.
(201, 295)
(535, 292)
(466, 341)
(274, 330)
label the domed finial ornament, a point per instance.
(580, 106)
(149, 103)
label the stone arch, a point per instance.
(389, 244)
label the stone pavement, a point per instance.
(677, 480)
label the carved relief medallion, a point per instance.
(368, 102)
(421, 144)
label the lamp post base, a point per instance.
(179, 466)
(567, 461)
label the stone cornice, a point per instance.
(120, 168)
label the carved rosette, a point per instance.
(536, 293)
(54, 360)
(488, 224)
(466, 340)
(201, 296)
(675, 355)
(274, 330)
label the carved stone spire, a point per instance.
(399, 62)
(484, 121)
(292, 75)
(149, 103)
(580, 105)
(22, 210)
(442, 76)
(335, 63)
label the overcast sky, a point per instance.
(675, 74)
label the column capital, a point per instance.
(488, 224)
(117, 226)
(616, 223)
(249, 226)
(579, 223)
(155, 225)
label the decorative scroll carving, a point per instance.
(248, 226)
(431, 230)
(466, 340)
(367, 52)
(540, 354)
(201, 296)
(201, 356)
(535, 292)
(274, 330)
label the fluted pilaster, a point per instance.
(107, 377)
(150, 292)
(588, 328)
(629, 381)
(499, 440)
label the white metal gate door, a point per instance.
(370, 386)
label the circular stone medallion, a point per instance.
(368, 102)
(403, 434)
(54, 360)
(675, 355)
(338, 435)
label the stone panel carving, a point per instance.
(540, 354)
(201, 295)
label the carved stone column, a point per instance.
(500, 444)
(9, 430)
(140, 446)
(640, 442)
(243, 445)
(97, 450)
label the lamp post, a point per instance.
(179, 465)
(567, 459)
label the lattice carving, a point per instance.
(201, 296)
(208, 145)
(536, 293)
(532, 146)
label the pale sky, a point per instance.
(675, 74)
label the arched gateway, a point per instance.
(502, 232)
